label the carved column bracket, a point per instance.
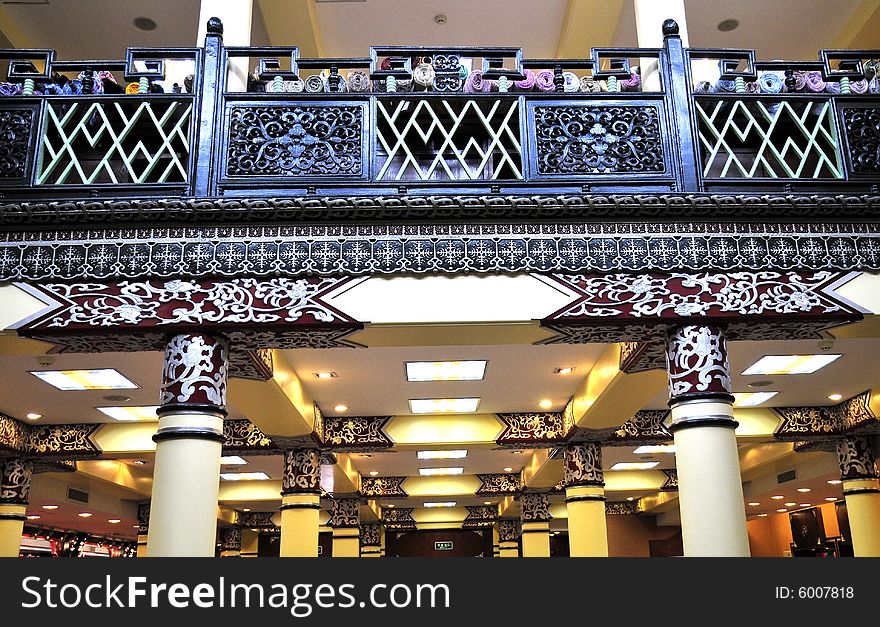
(826, 424)
(345, 513)
(195, 373)
(302, 472)
(856, 459)
(371, 534)
(509, 530)
(255, 520)
(383, 487)
(230, 538)
(534, 507)
(398, 518)
(697, 364)
(356, 433)
(617, 508)
(143, 518)
(535, 430)
(15, 481)
(480, 516)
(583, 465)
(501, 483)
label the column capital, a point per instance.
(302, 472)
(508, 530)
(143, 518)
(194, 374)
(583, 465)
(534, 507)
(371, 534)
(856, 459)
(230, 538)
(15, 480)
(345, 513)
(696, 362)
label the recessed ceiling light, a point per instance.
(390, 505)
(373, 473)
(443, 405)
(33, 416)
(781, 509)
(487, 502)
(760, 384)
(243, 476)
(436, 472)
(777, 497)
(139, 462)
(325, 375)
(516, 452)
(130, 414)
(634, 465)
(508, 469)
(445, 370)
(232, 460)
(100, 379)
(789, 364)
(834, 482)
(454, 454)
(33, 517)
(245, 509)
(364, 455)
(754, 503)
(116, 398)
(762, 515)
(567, 370)
(50, 507)
(114, 521)
(545, 404)
(340, 408)
(725, 26)
(751, 399)
(440, 504)
(805, 504)
(835, 397)
(630, 498)
(803, 489)
(85, 514)
(144, 23)
(649, 449)
(830, 498)
(789, 504)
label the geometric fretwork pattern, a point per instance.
(452, 140)
(115, 142)
(767, 139)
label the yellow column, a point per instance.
(300, 503)
(345, 521)
(250, 542)
(585, 500)
(15, 485)
(861, 490)
(535, 517)
(186, 479)
(508, 536)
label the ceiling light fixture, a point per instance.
(762, 515)
(545, 404)
(373, 473)
(805, 504)
(803, 489)
(777, 497)
(85, 514)
(754, 503)
(130, 414)
(445, 370)
(567, 370)
(830, 498)
(139, 462)
(834, 482)
(144, 23)
(649, 449)
(114, 521)
(634, 465)
(789, 364)
(340, 409)
(245, 509)
(232, 460)
(390, 505)
(243, 476)
(630, 498)
(454, 454)
(33, 517)
(835, 397)
(789, 504)
(440, 504)
(100, 379)
(443, 405)
(325, 375)
(33, 416)
(364, 455)
(516, 452)
(508, 469)
(437, 472)
(781, 509)
(487, 502)
(50, 507)
(751, 399)
(725, 26)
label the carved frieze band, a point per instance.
(230, 538)
(194, 372)
(356, 433)
(501, 483)
(15, 480)
(398, 518)
(583, 465)
(534, 507)
(641, 356)
(647, 426)
(345, 513)
(536, 430)
(480, 517)
(617, 508)
(852, 416)
(670, 483)
(243, 436)
(388, 487)
(371, 534)
(508, 530)
(255, 520)
(62, 442)
(856, 459)
(287, 251)
(302, 472)
(256, 364)
(696, 358)
(15, 138)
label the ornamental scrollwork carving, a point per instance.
(251, 364)
(534, 429)
(230, 538)
(15, 480)
(500, 483)
(697, 362)
(67, 441)
(297, 140)
(398, 518)
(13, 434)
(583, 465)
(647, 426)
(318, 428)
(508, 530)
(855, 413)
(195, 371)
(371, 534)
(798, 422)
(856, 459)
(15, 135)
(356, 433)
(642, 356)
(143, 515)
(244, 436)
(376, 487)
(345, 513)
(581, 140)
(302, 472)
(255, 520)
(670, 483)
(534, 507)
(480, 516)
(618, 508)
(862, 129)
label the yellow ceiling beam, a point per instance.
(862, 30)
(117, 473)
(588, 24)
(247, 491)
(610, 397)
(341, 477)
(442, 486)
(444, 430)
(293, 23)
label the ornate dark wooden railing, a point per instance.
(426, 122)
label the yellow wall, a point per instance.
(771, 536)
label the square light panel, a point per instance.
(443, 405)
(650, 449)
(456, 454)
(130, 414)
(436, 472)
(445, 370)
(440, 504)
(790, 364)
(751, 399)
(232, 460)
(101, 379)
(243, 476)
(634, 465)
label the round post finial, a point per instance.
(670, 28)
(215, 26)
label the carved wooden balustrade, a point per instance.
(430, 123)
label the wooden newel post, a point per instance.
(213, 81)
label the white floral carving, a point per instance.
(191, 366)
(697, 361)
